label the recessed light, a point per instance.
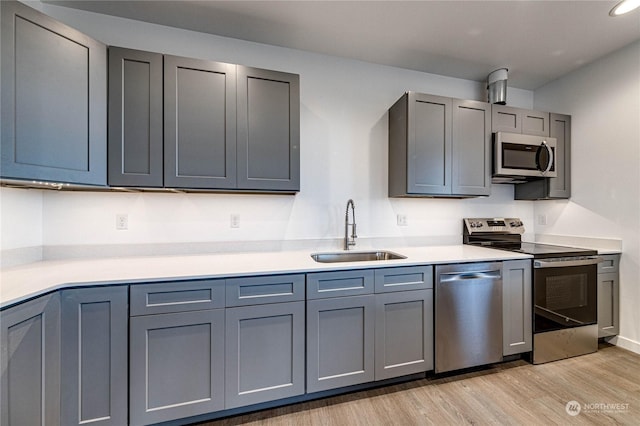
(625, 6)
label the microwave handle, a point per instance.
(550, 152)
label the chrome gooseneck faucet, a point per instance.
(350, 240)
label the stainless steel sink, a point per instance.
(355, 256)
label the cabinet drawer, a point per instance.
(340, 283)
(261, 290)
(401, 279)
(610, 263)
(160, 298)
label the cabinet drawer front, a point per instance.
(260, 290)
(184, 296)
(401, 279)
(611, 263)
(341, 283)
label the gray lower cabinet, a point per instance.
(30, 363)
(135, 118)
(265, 352)
(340, 342)
(176, 365)
(94, 360)
(518, 120)
(560, 186)
(403, 333)
(54, 88)
(439, 146)
(609, 296)
(517, 305)
(268, 130)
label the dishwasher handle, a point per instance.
(446, 277)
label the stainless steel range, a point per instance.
(564, 288)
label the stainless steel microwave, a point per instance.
(519, 157)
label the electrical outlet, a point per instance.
(402, 220)
(542, 219)
(235, 221)
(122, 221)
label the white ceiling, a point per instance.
(538, 41)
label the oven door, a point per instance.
(565, 294)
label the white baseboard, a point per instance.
(625, 343)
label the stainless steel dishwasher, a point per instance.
(468, 315)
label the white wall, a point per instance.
(343, 155)
(604, 101)
(20, 218)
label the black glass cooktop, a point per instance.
(541, 251)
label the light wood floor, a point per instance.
(513, 393)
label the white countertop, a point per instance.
(20, 283)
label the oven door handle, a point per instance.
(589, 260)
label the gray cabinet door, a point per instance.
(429, 144)
(30, 362)
(506, 119)
(199, 124)
(135, 118)
(608, 304)
(518, 120)
(403, 333)
(54, 89)
(609, 295)
(517, 316)
(268, 130)
(264, 353)
(94, 357)
(535, 123)
(471, 148)
(176, 365)
(560, 187)
(340, 342)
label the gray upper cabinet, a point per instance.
(471, 147)
(54, 89)
(188, 123)
(30, 363)
(518, 120)
(560, 186)
(135, 118)
(94, 356)
(516, 307)
(439, 147)
(199, 124)
(420, 145)
(268, 130)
